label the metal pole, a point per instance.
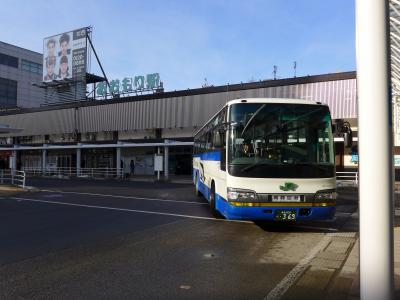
(118, 162)
(14, 161)
(158, 172)
(78, 160)
(98, 60)
(166, 173)
(375, 150)
(44, 158)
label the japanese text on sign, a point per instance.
(129, 85)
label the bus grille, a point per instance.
(268, 197)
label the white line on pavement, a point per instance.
(343, 214)
(282, 287)
(125, 197)
(128, 210)
(318, 228)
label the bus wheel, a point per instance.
(196, 187)
(213, 206)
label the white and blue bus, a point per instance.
(267, 159)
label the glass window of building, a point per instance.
(8, 93)
(31, 66)
(8, 60)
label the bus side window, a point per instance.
(223, 150)
(209, 140)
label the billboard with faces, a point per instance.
(64, 56)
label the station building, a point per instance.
(111, 133)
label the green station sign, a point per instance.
(129, 85)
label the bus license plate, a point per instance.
(286, 198)
(285, 215)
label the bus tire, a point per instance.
(213, 206)
(196, 187)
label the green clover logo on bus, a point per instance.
(289, 186)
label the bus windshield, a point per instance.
(280, 140)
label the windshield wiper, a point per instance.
(309, 164)
(259, 163)
(252, 118)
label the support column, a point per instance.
(375, 138)
(166, 156)
(44, 158)
(118, 162)
(158, 172)
(14, 159)
(78, 160)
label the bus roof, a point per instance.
(263, 100)
(272, 100)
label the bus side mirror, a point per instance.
(342, 128)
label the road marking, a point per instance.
(343, 214)
(317, 228)
(128, 210)
(125, 197)
(281, 288)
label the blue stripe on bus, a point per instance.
(268, 213)
(214, 156)
(260, 213)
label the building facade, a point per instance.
(19, 69)
(112, 133)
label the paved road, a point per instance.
(112, 239)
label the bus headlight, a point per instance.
(325, 196)
(241, 195)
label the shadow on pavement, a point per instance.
(320, 227)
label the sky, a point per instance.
(187, 42)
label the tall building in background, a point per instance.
(19, 68)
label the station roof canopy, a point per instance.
(394, 18)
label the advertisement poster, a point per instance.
(64, 56)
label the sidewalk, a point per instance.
(334, 272)
(10, 190)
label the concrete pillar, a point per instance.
(158, 153)
(375, 139)
(44, 158)
(118, 160)
(166, 156)
(78, 160)
(14, 160)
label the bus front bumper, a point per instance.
(266, 211)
